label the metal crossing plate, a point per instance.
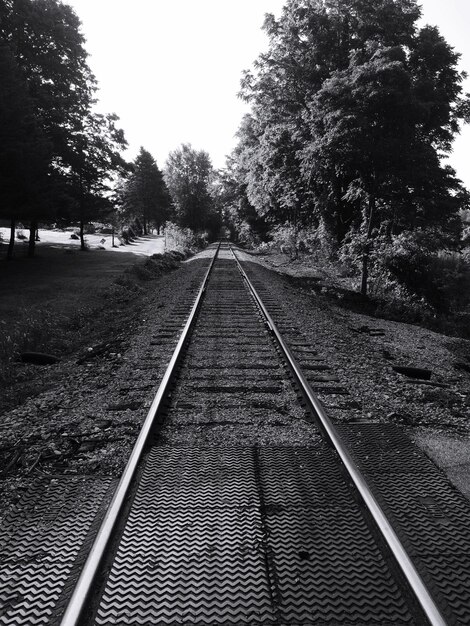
(325, 564)
(430, 516)
(40, 542)
(247, 536)
(191, 551)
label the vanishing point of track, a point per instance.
(246, 534)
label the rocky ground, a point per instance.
(363, 351)
(82, 415)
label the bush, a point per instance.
(183, 239)
(441, 279)
(295, 241)
(20, 235)
(247, 236)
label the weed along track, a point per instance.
(243, 504)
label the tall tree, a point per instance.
(24, 151)
(45, 38)
(352, 106)
(311, 40)
(189, 175)
(367, 123)
(97, 158)
(145, 193)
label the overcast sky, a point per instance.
(171, 69)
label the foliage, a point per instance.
(190, 176)
(297, 240)
(352, 108)
(64, 152)
(441, 280)
(98, 143)
(238, 214)
(45, 38)
(183, 240)
(24, 150)
(144, 196)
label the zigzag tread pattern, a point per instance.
(302, 477)
(430, 516)
(201, 476)
(191, 552)
(40, 539)
(327, 566)
(451, 575)
(189, 556)
(384, 448)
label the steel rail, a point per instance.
(83, 588)
(412, 576)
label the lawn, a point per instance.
(61, 278)
(40, 297)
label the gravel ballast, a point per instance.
(88, 415)
(362, 352)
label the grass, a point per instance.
(44, 300)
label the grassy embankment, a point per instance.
(55, 301)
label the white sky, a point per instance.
(171, 69)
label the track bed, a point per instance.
(240, 511)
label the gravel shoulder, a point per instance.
(82, 415)
(363, 350)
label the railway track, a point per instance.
(243, 504)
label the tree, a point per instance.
(24, 151)
(97, 158)
(368, 125)
(353, 108)
(145, 194)
(189, 176)
(44, 37)
(310, 41)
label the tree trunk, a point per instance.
(11, 243)
(158, 229)
(82, 212)
(82, 237)
(145, 225)
(32, 238)
(365, 254)
(365, 273)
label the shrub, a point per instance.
(182, 239)
(441, 279)
(247, 236)
(295, 241)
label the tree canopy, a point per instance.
(144, 195)
(189, 175)
(80, 148)
(352, 109)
